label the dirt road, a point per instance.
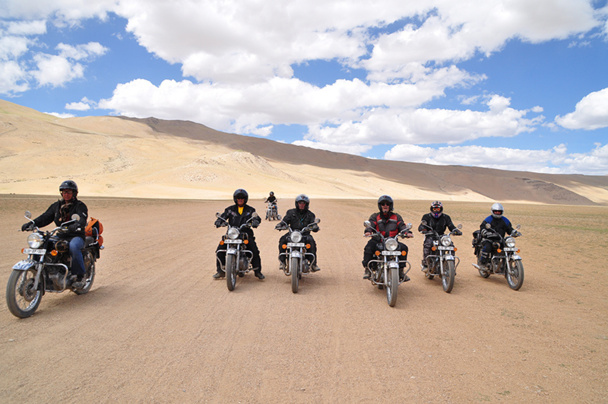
(157, 328)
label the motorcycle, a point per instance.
(297, 256)
(238, 257)
(46, 269)
(272, 212)
(442, 261)
(384, 271)
(504, 258)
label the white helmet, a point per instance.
(497, 210)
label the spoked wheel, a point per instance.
(21, 297)
(391, 287)
(447, 279)
(515, 274)
(230, 272)
(294, 265)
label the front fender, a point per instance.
(24, 265)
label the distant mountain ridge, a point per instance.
(154, 158)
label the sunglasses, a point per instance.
(497, 212)
(385, 204)
(436, 209)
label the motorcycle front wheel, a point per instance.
(21, 297)
(392, 285)
(294, 265)
(515, 274)
(447, 279)
(230, 272)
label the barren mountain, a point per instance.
(129, 157)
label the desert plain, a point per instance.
(157, 328)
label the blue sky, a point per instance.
(503, 84)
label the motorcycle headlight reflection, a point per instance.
(510, 242)
(391, 244)
(233, 233)
(296, 236)
(35, 240)
(446, 241)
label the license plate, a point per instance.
(237, 241)
(509, 249)
(446, 248)
(33, 251)
(24, 264)
(300, 245)
(391, 252)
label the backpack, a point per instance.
(94, 229)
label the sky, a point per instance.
(506, 84)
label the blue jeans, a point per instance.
(76, 245)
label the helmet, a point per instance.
(436, 209)
(271, 193)
(497, 210)
(302, 198)
(385, 199)
(69, 184)
(240, 193)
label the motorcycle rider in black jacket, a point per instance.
(438, 221)
(297, 219)
(61, 212)
(238, 214)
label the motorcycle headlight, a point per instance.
(510, 242)
(233, 233)
(296, 236)
(35, 240)
(446, 241)
(391, 244)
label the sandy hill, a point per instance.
(126, 157)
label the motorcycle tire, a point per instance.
(230, 272)
(515, 274)
(294, 265)
(21, 298)
(392, 286)
(447, 279)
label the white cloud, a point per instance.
(12, 78)
(81, 52)
(22, 28)
(12, 47)
(60, 115)
(555, 160)
(350, 149)
(590, 113)
(56, 70)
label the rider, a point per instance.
(238, 214)
(500, 224)
(61, 212)
(389, 224)
(297, 219)
(438, 221)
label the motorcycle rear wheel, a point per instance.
(515, 274)
(391, 287)
(230, 272)
(294, 265)
(447, 279)
(21, 298)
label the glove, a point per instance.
(315, 228)
(29, 226)
(280, 226)
(457, 232)
(74, 227)
(255, 223)
(218, 223)
(484, 233)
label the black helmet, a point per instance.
(436, 209)
(240, 193)
(385, 199)
(271, 193)
(69, 184)
(302, 198)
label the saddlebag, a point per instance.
(94, 229)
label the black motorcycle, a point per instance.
(442, 261)
(47, 268)
(238, 257)
(504, 257)
(298, 259)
